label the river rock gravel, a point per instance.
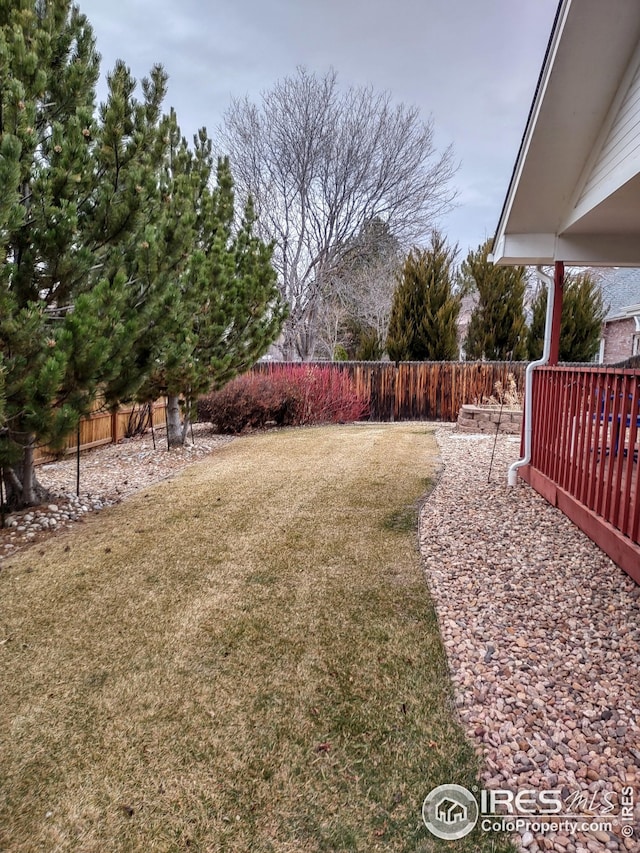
(108, 474)
(542, 634)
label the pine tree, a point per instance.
(583, 311)
(497, 329)
(368, 343)
(223, 309)
(154, 260)
(74, 190)
(424, 314)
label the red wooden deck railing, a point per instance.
(585, 447)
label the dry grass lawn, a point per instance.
(245, 658)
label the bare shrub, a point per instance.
(296, 396)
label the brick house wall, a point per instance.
(619, 336)
(620, 289)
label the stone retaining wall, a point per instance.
(489, 419)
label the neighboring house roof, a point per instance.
(574, 195)
(631, 312)
(621, 292)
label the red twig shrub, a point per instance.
(293, 396)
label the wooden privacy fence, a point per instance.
(418, 390)
(106, 427)
(412, 390)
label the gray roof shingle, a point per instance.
(620, 289)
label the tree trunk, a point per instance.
(175, 429)
(289, 345)
(21, 484)
(188, 419)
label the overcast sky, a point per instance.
(470, 64)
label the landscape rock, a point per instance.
(556, 704)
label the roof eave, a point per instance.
(534, 110)
(580, 250)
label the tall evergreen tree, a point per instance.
(583, 311)
(223, 309)
(424, 314)
(497, 329)
(154, 261)
(74, 190)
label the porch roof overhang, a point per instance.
(574, 194)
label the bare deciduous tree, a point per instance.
(357, 304)
(369, 295)
(320, 163)
(354, 309)
(331, 327)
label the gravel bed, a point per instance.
(108, 474)
(542, 633)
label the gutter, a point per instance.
(512, 476)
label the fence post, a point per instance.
(395, 397)
(78, 461)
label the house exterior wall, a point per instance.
(618, 338)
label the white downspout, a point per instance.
(512, 477)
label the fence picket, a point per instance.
(98, 428)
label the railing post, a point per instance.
(558, 282)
